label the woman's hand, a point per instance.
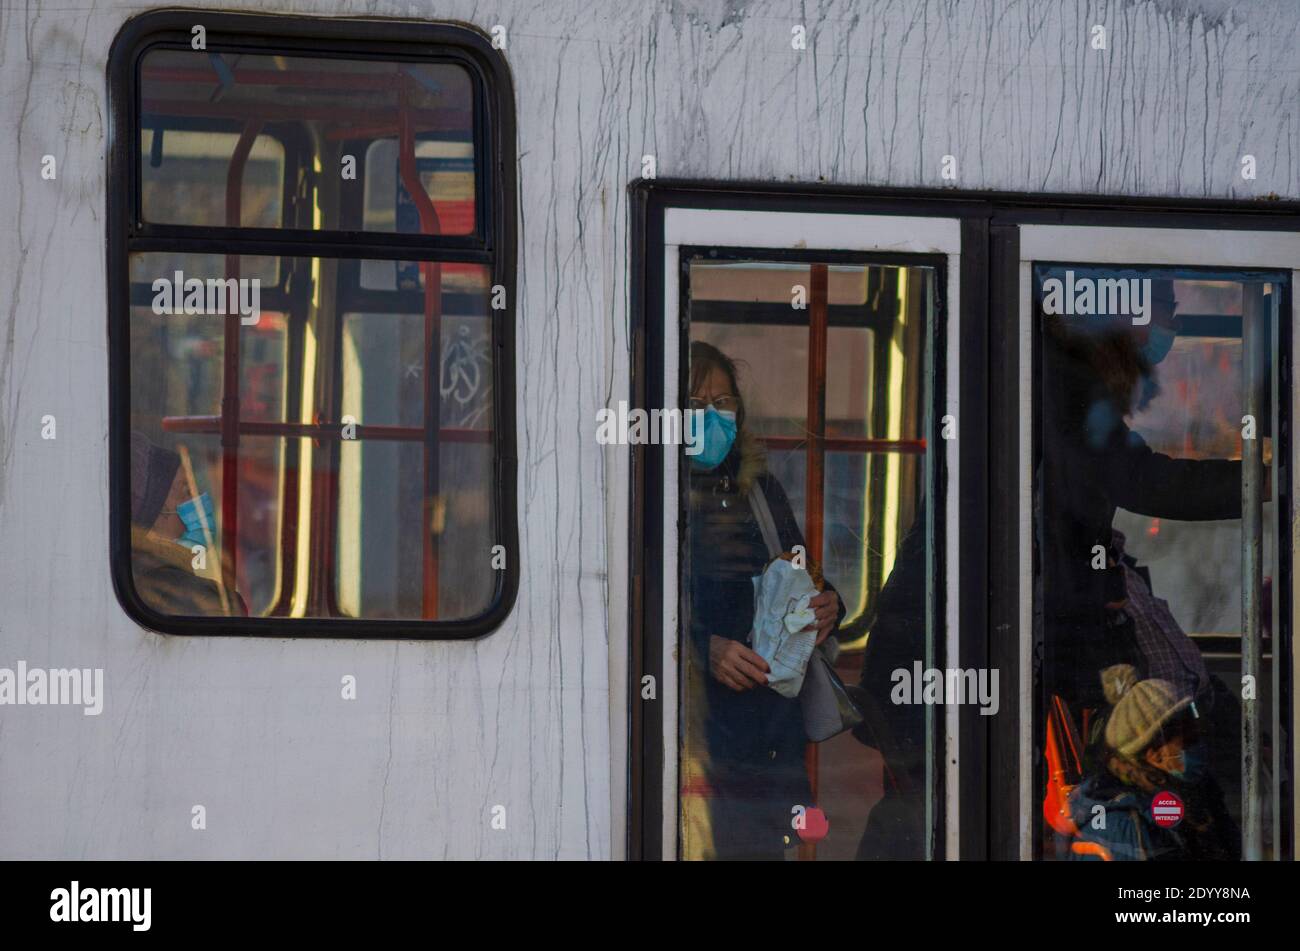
(827, 608)
(735, 665)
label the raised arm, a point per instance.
(1153, 484)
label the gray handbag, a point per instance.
(828, 707)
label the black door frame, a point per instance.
(988, 452)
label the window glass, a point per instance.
(338, 124)
(1157, 390)
(830, 364)
(349, 502)
(380, 483)
(183, 178)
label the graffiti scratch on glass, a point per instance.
(466, 379)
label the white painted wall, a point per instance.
(532, 716)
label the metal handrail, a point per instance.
(1254, 338)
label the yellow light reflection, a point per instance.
(893, 468)
(349, 542)
(305, 468)
(894, 461)
(306, 460)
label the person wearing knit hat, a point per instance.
(1142, 709)
(161, 560)
(1151, 745)
(153, 473)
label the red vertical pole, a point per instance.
(230, 369)
(814, 492)
(816, 449)
(432, 272)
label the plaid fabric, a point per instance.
(1170, 654)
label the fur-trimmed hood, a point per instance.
(166, 580)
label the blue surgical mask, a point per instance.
(1100, 424)
(1194, 764)
(193, 514)
(1160, 340)
(714, 436)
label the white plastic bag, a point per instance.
(781, 612)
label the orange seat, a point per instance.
(1064, 768)
(1096, 849)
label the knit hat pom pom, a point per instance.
(1117, 680)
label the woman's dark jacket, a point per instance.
(1092, 464)
(754, 739)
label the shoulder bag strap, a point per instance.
(766, 524)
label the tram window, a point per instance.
(343, 118)
(306, 436)
(1158, 388)
(834, 403)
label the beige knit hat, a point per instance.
(1142, 708)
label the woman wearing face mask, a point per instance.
(752, 738)
(1152, 745)
(165, 523)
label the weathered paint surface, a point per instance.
(529, 718)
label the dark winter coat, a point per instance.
(1092, 464)
(754, 739)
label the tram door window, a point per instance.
(814, 385)
(1160, 587)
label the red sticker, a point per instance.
(1166, 810)
(815, 825)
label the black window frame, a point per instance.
(989, 401)
(493, 244)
